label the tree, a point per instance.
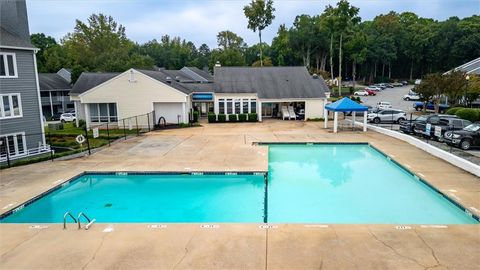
(454, 86)
(260, 15)
(229, 40)
(43, 42)
(473, 89)
(356, 49)
(431, 89)
(282, 52)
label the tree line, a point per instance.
(335, 43)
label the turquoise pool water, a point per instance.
(326, 183)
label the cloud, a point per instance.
(200, 21)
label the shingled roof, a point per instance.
(269, 82)
(14, 25)
(89, 80)
(52, 81)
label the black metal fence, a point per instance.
(65, 140)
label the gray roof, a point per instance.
(198, 74)
(89, 80)
(269, 82)
(52, 81)
(472, 67)
(14, 24)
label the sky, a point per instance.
(200, 21)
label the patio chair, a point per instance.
(291, 112)
(285, 114)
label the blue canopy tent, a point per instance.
(345, 105)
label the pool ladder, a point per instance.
(77, 220)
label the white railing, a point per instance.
(30, 152)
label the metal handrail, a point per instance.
(65, 219)
(79, 221)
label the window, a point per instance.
(237, 106)
(103, 112)
(229, 106)
(253, 105)
(221, 106)
(245, 106)
(457, 123)
(8, 65)
(13, 143)
(10, 106)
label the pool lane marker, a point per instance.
(268, 226)
(403, 227)
(157, 226)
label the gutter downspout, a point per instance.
(42, 125)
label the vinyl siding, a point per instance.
(26, 85)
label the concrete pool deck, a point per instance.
(228, 147)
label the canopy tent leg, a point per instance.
(335, 122)
(365, 122)
(353, 119)
(325, 117)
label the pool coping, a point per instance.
(124, 173)
(264, 173)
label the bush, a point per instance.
(212, 118)
(82, 123)
(196, 114)
(222, 118)
(232, 118)
(469, 114)
(252, 117)
(453, 111)
(242, 117)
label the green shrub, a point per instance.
(222, 118)
(232, 118)
(212, 118)
(82, 123)
(469, 114)
(242, 117)
(453, 111)
(196, 114)
(315, 119)
(252, 117)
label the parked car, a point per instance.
(397, 84)
(384, 105)
(410, 96)
(380, 85)
(361, 93)
(373, 88)
(56, 116)
(418, 106)
(370, 110)
(404, 83)
(448, 124)
(67, 117)
(387, 116)
(371, 92)
(466, 138)
(421, 123)
(389, 85)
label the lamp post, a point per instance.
(466, 89)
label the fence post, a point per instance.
(88, 142)
(50, 142)
(148, 121)
(108, 135)
(136, 124)
(124, 131)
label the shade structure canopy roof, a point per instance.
(346, 105)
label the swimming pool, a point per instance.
(306, 183)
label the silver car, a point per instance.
(387, 116)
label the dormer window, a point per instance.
(8, 65)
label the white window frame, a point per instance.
(15, 143)
(7, 71)
(10, 101)
(109, 116)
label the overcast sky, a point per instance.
(199, 21)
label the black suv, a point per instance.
(421, 123)
(466, 138)
(449, 124)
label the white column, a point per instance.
(365, 122)
(87, 114)
(77, 113)
(353, 119)
(335, 122)
(325, 116)
(51, 103)
(259, 110)
(184, 114)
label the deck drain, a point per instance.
(108, 205)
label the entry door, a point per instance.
(267, 109)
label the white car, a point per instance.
(361, 93)
(67, 117)
(389, 115)
(411, 96)
(384, 105)
(373, 88)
